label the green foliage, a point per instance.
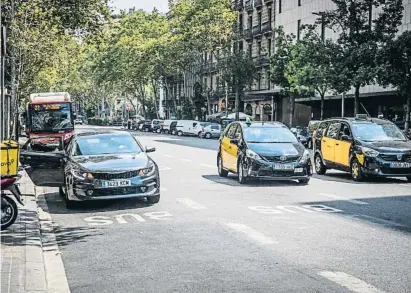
(98, 121)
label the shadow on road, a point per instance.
(346, 178)
(393, 212)
(56, 205)
(232, 180)
(69, 235)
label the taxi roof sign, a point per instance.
(361, 117)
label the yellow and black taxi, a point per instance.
(363, 146)
(262, 151)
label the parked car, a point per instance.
(138, 124)
(156, 125)
(267, 151)
(167, 126)
(200, 127)
(78, 121)
(95, 166)
(211, 131)
(146, 126)
(187, 127)
(302, 135)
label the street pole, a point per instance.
(2, 102)
(342, 104)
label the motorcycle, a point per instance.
(9, 210)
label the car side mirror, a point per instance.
(345, 138)
(234, 141)
(150, 149)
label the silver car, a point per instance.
(211, 131)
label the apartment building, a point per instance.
(262, 100)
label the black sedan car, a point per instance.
(94, 166)
(264, 151)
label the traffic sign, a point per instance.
(128, 108)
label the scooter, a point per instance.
(9, 210)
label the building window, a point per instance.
(206, 82)
(270, 15)
(259, 81)
(250, 21)
(218, 82)
(241, 46)
(211, 83)
(299, 2)
(280, 6)
(205, 57)
(298, 29)
(269, 47)
(259, 18)
(268, 79)
(259, 48)
(250, 49)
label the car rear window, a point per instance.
(216, 127)
(105, 145)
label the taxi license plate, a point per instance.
(400, 165)
(283, 167)
(116, 183)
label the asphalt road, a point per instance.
(210, 234)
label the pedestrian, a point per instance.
(129, 123)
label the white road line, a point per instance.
(250, 232)
(164, 168)
(354, 201)
(168, 156)
(405, 184)
(186, 160)
(208, 166)
(191, 203)
(351, 283)
(378, 220)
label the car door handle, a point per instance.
(323, 140)
(337, 144)
(28, 158)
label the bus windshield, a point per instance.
(50, 117)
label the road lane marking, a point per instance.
(168, 156)
(405, 184)
(378, 220)
(164, 168)
(250, 232)
(208, 166)
(354, 201)
(186, 160)
(350, 282)
(191, 203)
(293, 209)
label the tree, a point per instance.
(238, 71)
(395, 68)
(360, 36)
(283, 70)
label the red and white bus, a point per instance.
(50, 114)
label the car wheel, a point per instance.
(180, 133)
(153, 199)
(69, 203)
(240, 171)
(304, 180)
(320, 169)
(158, 130)
(356, 171)
(409, 178)
(199, 134)
(166, 131)
(221, 171)
(208, 135)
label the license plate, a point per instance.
(116, 183)
(283, 167)
(298, 170)
(400, 165)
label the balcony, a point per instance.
(262, 60)
(249, 5)
(266, 28)
(238, 4)
(258, 3)
(268, 1)
(257, 30)
(248, 33)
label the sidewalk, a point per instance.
(22, 262)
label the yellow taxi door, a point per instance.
(233, 150)
(343, 146)
(227, 148)
(328, 142)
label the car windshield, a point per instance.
(269, 135)
(51, 117)
(377, 132)
(106, 144)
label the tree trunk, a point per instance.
(407, 114)
(357, 100)
(322, 106)
(237, 104)
(292, 109)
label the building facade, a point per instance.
(262, 100)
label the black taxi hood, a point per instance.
(112, 162)
(389, 145)
(277, 149)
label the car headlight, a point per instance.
(79, 174)
(369, 152)
(305, 157)
(148, 171)
(252, 155)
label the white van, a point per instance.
(167, 126)
(187, 127)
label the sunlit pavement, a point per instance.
(211, 234)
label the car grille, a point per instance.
(289, 159)
(396, 171)
(117, 191)
(270, 173)
(393, 158)
(110, 176)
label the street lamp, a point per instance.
(321, 13)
